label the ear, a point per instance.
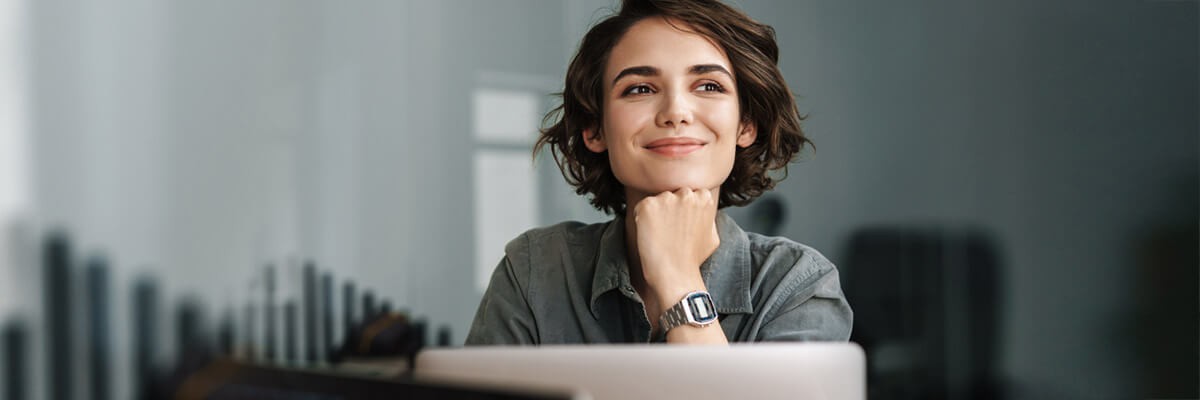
(746, 135)
(593, 140)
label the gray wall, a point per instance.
(1066, 129)
(200, 140)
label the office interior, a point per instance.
(1008, 188)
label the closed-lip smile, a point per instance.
(675, 146)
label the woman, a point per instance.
(672, 109)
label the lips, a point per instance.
(674, 146)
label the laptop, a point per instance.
(833, 371)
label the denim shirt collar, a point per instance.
(726, 272)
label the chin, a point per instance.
(670, 185)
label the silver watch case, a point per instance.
(696, 309)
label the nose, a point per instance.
(675, 111)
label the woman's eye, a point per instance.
(711, 87)
(638, 89)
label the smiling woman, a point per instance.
(674, 95)
(671, 110)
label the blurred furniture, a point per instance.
(926, 311)
(1168, 338)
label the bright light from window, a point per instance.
(14, 185)
(14, 133)
(504, 126)
(505, 206)
(505, 116)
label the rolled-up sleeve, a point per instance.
(815, 310)
(504, 315)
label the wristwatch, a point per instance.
(696, 309)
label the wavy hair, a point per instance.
(763, 100)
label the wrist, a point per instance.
(695, 310)
(672, 293)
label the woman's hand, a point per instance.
(676, 232)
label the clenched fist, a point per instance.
(676, 232)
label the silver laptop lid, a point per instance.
(833, 371)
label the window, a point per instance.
(505, 125)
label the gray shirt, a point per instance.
(569, 283)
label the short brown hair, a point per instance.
(763, 100)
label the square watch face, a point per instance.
(701, 307)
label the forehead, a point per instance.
(669, 46)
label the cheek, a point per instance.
(723, 120)
(727, 116)
(623, 119)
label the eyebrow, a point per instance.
(645, 70)
(706, 68)
(639, 70)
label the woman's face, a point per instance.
(671, 117)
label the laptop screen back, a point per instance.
(834, 371)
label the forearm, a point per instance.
(670, 235)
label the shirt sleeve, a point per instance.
(815, 311)
(504, 316)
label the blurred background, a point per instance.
(1009, 188)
